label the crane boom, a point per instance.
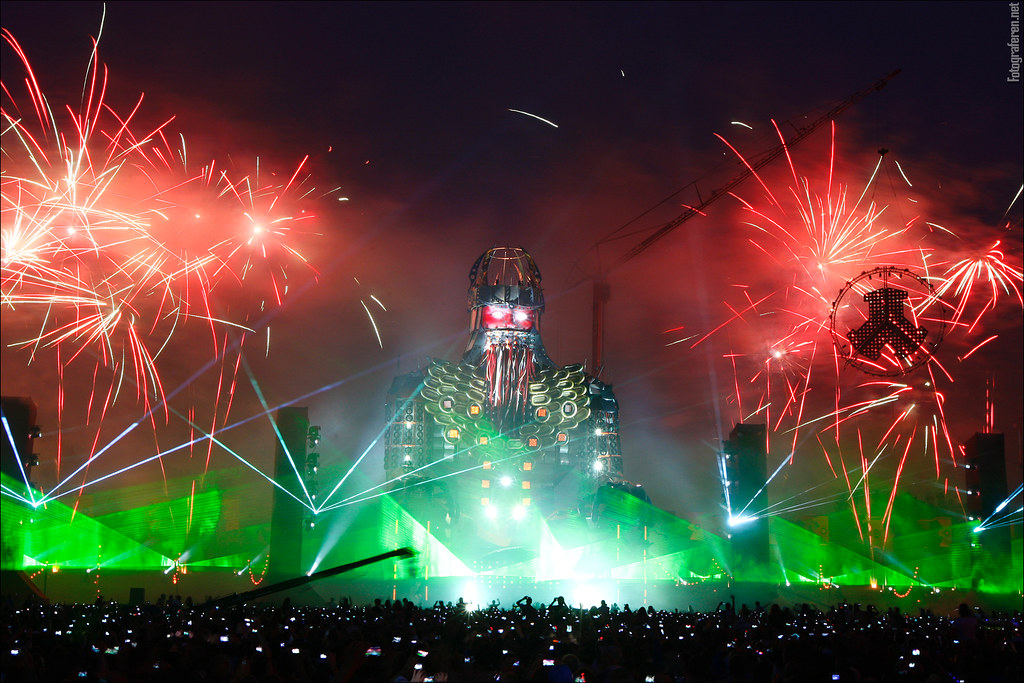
(755, 166)
(601, 290)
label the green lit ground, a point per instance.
(212, 546)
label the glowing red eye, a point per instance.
(503, 317)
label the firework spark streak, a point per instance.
(534, 116)
(991, 270)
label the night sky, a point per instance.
(406, 109)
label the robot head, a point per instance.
(505, 291)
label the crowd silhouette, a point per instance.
(175, 640)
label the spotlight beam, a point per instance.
(999, 508)
(788, 458)
(204, 435)
(866, 472)
(366, 450)
(13, 494)
(348, 501)
(17, 458)
(377, 438)
(277, 431)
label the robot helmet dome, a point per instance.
(505, 276)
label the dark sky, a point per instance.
(405, 107)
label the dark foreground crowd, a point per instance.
(399, 641)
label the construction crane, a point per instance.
(601, 289)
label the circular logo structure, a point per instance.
(887, 321)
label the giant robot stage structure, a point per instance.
(505, 474)
(504, 434)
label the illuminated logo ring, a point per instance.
(887, 321)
